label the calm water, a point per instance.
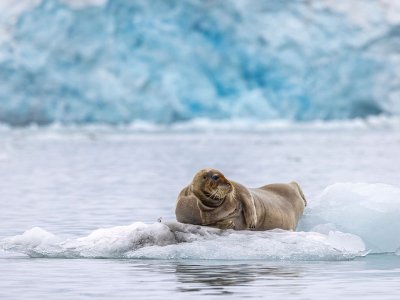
(71, 183)
(375, 277)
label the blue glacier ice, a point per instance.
(119, 61)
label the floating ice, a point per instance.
(33, 238)
(174, 240)
(269, 245)
(335, 226)
(371, 211)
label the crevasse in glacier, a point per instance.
(98, 61)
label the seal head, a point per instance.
(211, 187)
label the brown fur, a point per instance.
(213, 200)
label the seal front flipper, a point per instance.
(243, 195)
(250, 215)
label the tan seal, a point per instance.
(211, 199)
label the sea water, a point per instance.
(89, 213)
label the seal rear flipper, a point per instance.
(300, 192)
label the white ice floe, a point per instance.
(335, 227)
(174, 240)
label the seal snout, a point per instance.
(220, 185)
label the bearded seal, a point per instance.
(213, 200)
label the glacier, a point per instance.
(120, 61)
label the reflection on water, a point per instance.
(218, 277)
(373, 277)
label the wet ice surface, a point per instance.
(172, 240)
(73, 183)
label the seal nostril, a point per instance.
(215, 177)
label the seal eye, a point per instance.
(215, 177)
(204, 177)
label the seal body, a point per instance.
(213, 200)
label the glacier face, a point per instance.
(98, 61)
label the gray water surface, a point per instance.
(71, 183)
(373, 277)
